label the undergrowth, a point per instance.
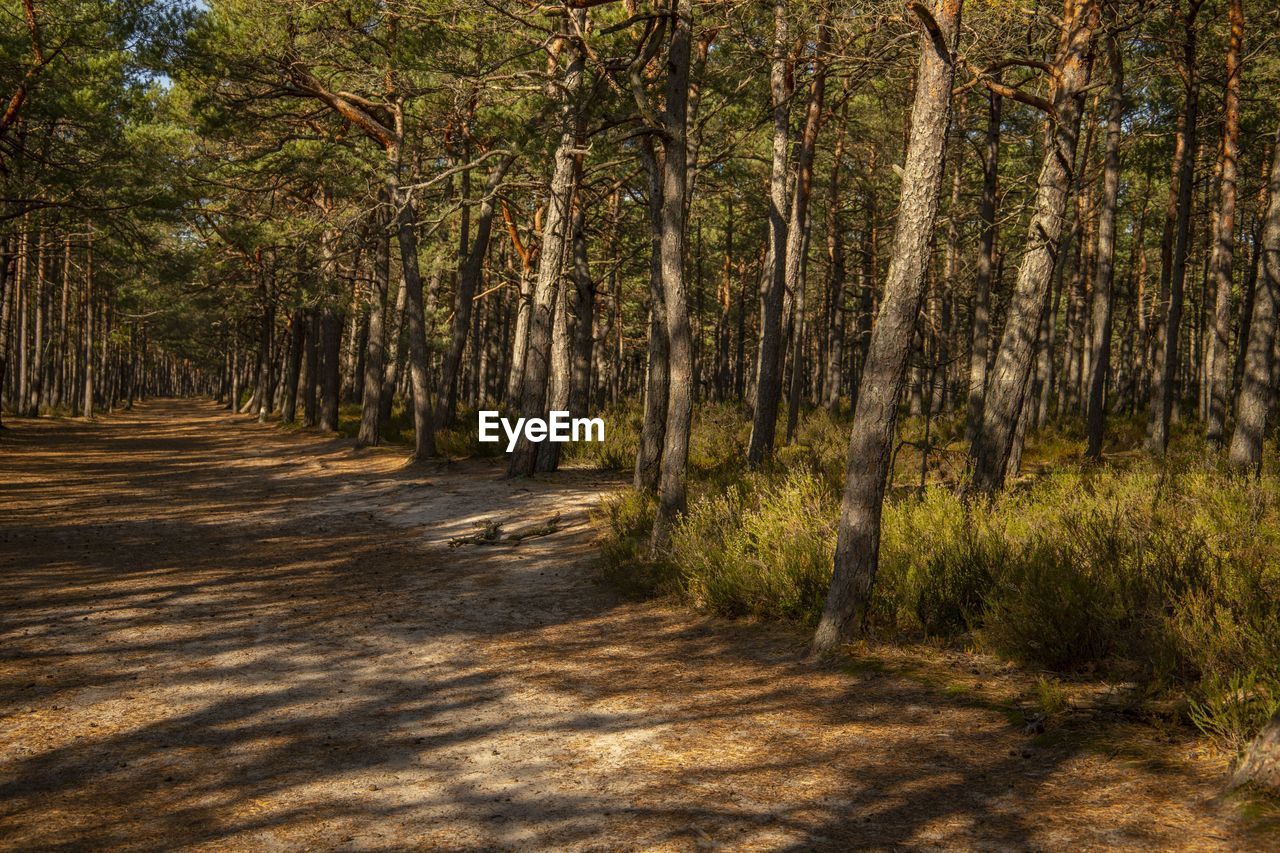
(1165, 572)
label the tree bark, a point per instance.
(836, 276)
(653, 423)
(1224, 234)
(798, 228)
(1166, 365)
(424, 441)
(468, 281)
(1008, 380)
(297, 339)
(764, 422)
(871, 441)
(329, 367)
(376, 338)
(1255, 385)
(979, 344)
(1100, 359)
(584, 305)
(675, 445)
(87, 402)
(555, 233)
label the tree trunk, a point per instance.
(87, 402)
(372, 386)
(424, 441)
(468, 281)
(768, 392)
(979, 344)
(653, 423)
(1224, 235)
(836, 275)
(39, 301)
(679, 420)
(310, 368)
(297, 339)
(1166, 365)
(798, 227)
(8, 272)
(1100, 359)
(329, 366)
(1261, 762)
(1008, 380)
(871, 441)
(584, 311)
(555, 233)
(1255, 386)
(524, 303)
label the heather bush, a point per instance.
(1165, 572)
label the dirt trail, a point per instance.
(216, 635)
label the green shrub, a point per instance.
(1168, 572)
(762, 550)
(626, 520)
(1231, 709)
(621, 440)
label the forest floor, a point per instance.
(220, 635)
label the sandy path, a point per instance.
(217, 635)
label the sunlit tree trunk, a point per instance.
(1256, 389)
(468, 282)
(555, 235)
(1008, 380)
(871, 441)
(768, 385)
(679, 421)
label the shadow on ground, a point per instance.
(216, 634)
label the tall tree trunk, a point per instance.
(561, 365)
(372, 387)
(871, 441)
(1250, 283)
(725, 293)
(40, 301)
(1100, 360)
(468, 281)
(8, 273)
(555, 234)
(979, 344)
(87, 402)
(524, 303)
(768, 391)
(424, 441)
(329, 367)
(1008, 381)
(653, 422)
(297, 339)
(836, 275)
(1166, 365)
(798, 227)
(675, 445)
(584, 311)
(1224, 234)
(311, 370)
(1255, 386)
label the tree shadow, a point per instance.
(209, 636)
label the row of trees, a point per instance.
(1016, 215)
